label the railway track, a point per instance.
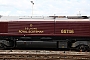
(42, 55)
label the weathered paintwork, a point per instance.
(51, 28)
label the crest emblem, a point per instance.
(31, 25)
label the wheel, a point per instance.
(2, 46)
(82, 48)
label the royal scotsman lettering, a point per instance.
(24, 31)
(66, 31)
(30, 30)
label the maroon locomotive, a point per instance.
(45, 32)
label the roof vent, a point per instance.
(77, 17)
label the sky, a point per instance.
(44, 7)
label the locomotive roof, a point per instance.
(44, 18)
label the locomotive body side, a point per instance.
(45, 32)
(51, 28)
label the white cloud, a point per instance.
(44, 7)
(5, 13)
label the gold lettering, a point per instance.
(65, 31)
(61, 31)
(20, 31)
(30, 30)
(31, 25)
(24, 31)
(26, 28)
